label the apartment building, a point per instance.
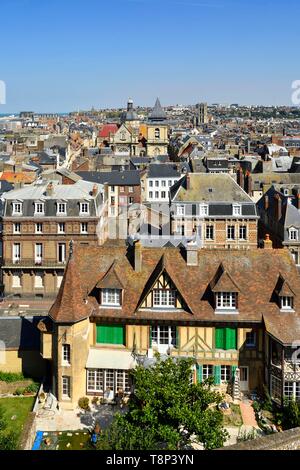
(38, 223)
(158, 181)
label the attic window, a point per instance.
(286, 303)
(210, 190)
(226, 301)
(111, 297)
(293, 234)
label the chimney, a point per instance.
(50, 189)
(249, 186)
(240, 177)
(277, 207)
(138, 256)
(266, 200)
(192, 254)
(267, 243)
(298, 201)
(95, 190)
(188, 182)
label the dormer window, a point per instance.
(226, 301)
(84, 208)
(286, 302)
(204, 209)
(17, 208)
(39, 208)
(180, 210)
(164, 298)
(236, 210)
(293, 234)
(61, 208)
(111, 297)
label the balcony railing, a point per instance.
(33, 263)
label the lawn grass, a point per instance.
(19, 407)
(234, 418)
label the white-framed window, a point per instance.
(95, 380)
(112, 189)
(112, 211)
(203, 209)
(293, 234)
(292, 390)
(156, 194)
(66, 389)
(209, 232)
(225, 374)
(243, 232)
(61, 208)
(150, 184)
(163, 194)
(39, 227)
(130, 189)
(122, 189)
(17, 228)
(286, 302)
(163, 335)
(84, 227)
(61, 252)
(276, 388)
(295, 256)
(163, 183)
(226, 300)
(180, 210)
(66, 354)
(38, 252)
(101, 380)
(39, 280)
(84, 208)
(230, 232)
(236, 210)
(156, 183)
(16, 252)
(17, 208)
(39, 208)
(170, 183)
(61, 227)
(207, 371)
(16, 280)
(150, 194)
(251, 339)
(164, 298)
(111, 297)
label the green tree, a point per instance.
(166, 411)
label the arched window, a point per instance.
(157, 133)
(156, 151)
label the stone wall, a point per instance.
(287, 440)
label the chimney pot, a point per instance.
(268, 244)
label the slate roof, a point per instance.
(254, 272)
(157, 113)
(165, 170)
(114, 178)
(20, 333)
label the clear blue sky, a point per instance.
(60, 55)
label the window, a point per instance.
(156, 183)
(39, 228)
(276, 388)
(39, 280)
(112, 189)
(61, 227)
(110, 334)
(163, 183)
(61, 208)
(163, 335)
(130, 200)
(163, 194)
(39, 208)
(170, 183)
(61, 252)
(203, 209)
(226, 338)
(16, 280)
(292, 390)
(17, 208)
(113, 211)
(17, 228)
(156, 194)
(164, 298)
(180, 210)
(286, 302)
(295, 256)
(243, 232)
(209, 232)
(230, 232)
(150, 184)
(113, 200)
(84, 227)
(251, 339)
(207, 371)
(225, 374)
(95, 380)
(237, 210)
(123, 200)
(122, 189)
(130, 189)
(293, 234)
(16, 252)
(157, 133)
(66, 354)
(150, 194)
(111, 296)
(66, 386)
(38, 253)
(226, 300)
(100, 380)
(84, 208)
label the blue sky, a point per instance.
(60, 55)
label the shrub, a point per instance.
(8, 440)
(95, 400)
(19, 391)
(32, 388)
(83, 403)
(9, 377)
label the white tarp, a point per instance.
(110, 359)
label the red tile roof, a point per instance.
(108, 129)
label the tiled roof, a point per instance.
(12, 177)
(255, 273)
(108, 129)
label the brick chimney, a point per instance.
(249, 185)
(266, 201)
(298, 201)
(95, 190)
(240, 177)
(188, 182)
(277, 207)
(50, 189)
(192, 254)
(138, 256)
(267, 243)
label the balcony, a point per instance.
(33, 263)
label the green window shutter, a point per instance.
(199, 373)
(230, 338)
(150, 336)
(233, 369)
(220, 338)
(110, 334)
(217, 375)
